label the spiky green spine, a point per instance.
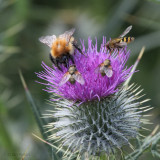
(98, 127)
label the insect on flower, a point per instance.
(62, 48)
(119, 42)
(105, 68)
(98, 118)
(72, 75)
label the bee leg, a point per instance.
(118, 54)
(64, 60)
(67, 60)
(118, 50)
(110, 51)
(71, 57)
(52, 59)
(57, 64)
(78, 48)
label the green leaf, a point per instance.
(37, 114)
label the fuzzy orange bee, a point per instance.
(62, 48)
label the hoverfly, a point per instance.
(105, 68)
(72, 75)
(119, 42)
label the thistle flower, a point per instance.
(99, 116)
(95, 86)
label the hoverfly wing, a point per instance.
(78, 77)
(67, 35)
(48, 40)
(108, 71)
(126, 31)
(97, 70)
(121, 44)
(64, 79)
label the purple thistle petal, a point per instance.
(96, 86)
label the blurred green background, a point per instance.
(22, 22)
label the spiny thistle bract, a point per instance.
(99, 116)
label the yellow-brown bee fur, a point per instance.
(61, 47)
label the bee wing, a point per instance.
(67, 35)
(126, 31)
(64, 79)
(48, 40)
(78, 77)
(108, 71)
(70, 32)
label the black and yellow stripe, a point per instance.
(126, 39)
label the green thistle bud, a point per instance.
(98, 127)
